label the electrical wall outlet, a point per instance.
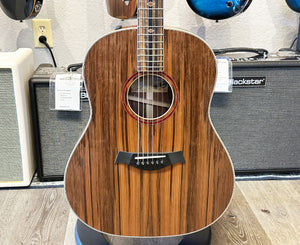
(42, 27)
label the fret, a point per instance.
(150, 48)
(151, 34)
(147, 68)
(150, 8)
(153, 22)
(150, 41)
(149, 55)
(152, 55)
(145, 26)
(150, 68)
(153, 67)
(160, 62)
(151, 63)
(152, 18)
(152, 59)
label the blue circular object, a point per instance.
(218, 9)
(294, 5)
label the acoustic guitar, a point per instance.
(149, 163)
(122, 9)
(21, 9)
(218, 9)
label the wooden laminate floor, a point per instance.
(261, 212)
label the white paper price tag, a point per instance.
(67, 92)
(223, 81)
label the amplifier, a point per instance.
(259, 122)
(55, 132)
(17, 164)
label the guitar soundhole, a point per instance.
(150, 98)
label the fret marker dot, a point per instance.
(151, 4)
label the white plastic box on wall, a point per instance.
(17, 164)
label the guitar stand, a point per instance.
(85, 235)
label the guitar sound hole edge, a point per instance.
(169, 101)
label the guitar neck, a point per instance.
(150, 36)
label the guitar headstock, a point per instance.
(121, 9)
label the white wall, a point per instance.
(77, 24)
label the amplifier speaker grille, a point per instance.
(59, 132)
(260, 126)
(56, 132)
(10, 150)
(17, 163)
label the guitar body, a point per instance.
(21, 9)
(121, 9)
(218, 9)
(294, 5)
(120, 199)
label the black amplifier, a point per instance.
(259, 122)
(55, 132)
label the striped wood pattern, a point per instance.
(119, 9)
(123, 200)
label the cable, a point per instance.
(260, 53)
(291, 47)
(43, 40)
(293, 43)
(74, 67)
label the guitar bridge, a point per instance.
(149, 161)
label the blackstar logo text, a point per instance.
(249, 81)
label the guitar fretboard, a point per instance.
(150, 36)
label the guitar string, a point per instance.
(143, 78)
(152, 80)
(161, 39)
(138, 94)
(147, 84)
(160, 15)
(138, 79)
(150, 108)
(144, 84)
